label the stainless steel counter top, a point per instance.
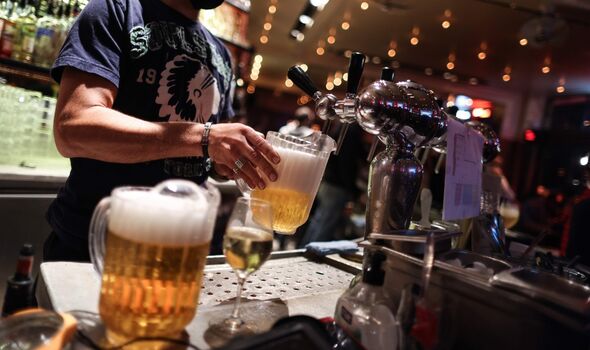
(286, 285)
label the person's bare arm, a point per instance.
(86, 126)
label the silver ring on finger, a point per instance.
(236, 170)
(239, 164)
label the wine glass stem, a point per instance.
(236, 313)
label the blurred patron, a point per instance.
(576, 233)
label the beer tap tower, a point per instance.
(403, 115)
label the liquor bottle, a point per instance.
(45, 38)
(60, 28)
(3, 14)
(26, 28)
(19, 288)
(364, 310)
(8, 30)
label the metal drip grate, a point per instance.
(275, 280)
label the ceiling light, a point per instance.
(258, 58)
(254, 76)
(450, 65)
(240, 82)
(288, 83)
(251, 89)
(482, 55)
(523, 42)
(267, 26)
(295, 32)
(560, 89)
(329, 86)
(272, 9)
(506, 77)
(331, 39)
(305, 19)
(256, 65)
(584, 160)
(391, 53)
(345, 25)
(414, 41)
(345, 76)
(337, 81)
(263, 39)
(364, 5)
(303, 67)
(446, 24)
(319, 3)
(320, 51)
(300, 37)
(546, 69)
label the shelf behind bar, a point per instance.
(25, 70)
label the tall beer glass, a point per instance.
(150, 246)
(303, 161)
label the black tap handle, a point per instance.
(355, 70)
(302, 80)
(387, 73)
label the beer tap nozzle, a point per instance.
(324, 102)
(346, 108)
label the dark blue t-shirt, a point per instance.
(167, 68)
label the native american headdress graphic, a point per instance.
(188, 91)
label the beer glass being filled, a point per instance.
(150, 245)
(303, 161)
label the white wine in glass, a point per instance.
(247, 245)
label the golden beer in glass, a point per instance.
(303, 161)
(156, 244)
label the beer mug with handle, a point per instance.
(150, 246)
(303, 161)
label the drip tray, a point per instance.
(277, 279)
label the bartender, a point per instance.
(143, 87)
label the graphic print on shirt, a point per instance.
(188, 91)
(192, 76)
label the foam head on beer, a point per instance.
(159, 216)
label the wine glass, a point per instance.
(510, 212)
(246, 245)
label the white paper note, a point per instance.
(463, 172)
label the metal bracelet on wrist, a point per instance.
(205, 139)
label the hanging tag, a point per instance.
(462, 172)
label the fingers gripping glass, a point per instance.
(247, 245)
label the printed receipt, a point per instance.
(463, 172)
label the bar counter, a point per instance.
(286, 285)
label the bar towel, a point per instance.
(333, 247)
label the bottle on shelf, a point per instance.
(45, 37)
(8, 29)
(61, 28)
(25, 31)
(364, 310)
(19, 288)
